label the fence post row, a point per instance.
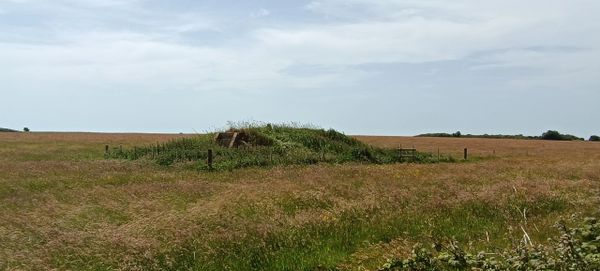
(402, 153)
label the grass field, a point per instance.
(63, 206)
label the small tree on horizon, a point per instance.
(555, 135)
(552, 135)
(26, 129)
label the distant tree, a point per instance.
(457, 134)
(552, 135)
(25, 129)
(594, 138)
(555, 135)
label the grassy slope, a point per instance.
(62, 205)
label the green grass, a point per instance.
(97, 215)
(324, 244)
(292, 204)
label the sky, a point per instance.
(379, 67)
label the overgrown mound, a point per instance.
(268, 145)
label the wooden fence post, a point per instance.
(210, 159)
(466, 154)
(106, 150)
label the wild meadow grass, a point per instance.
(64, 206)
(324, 244)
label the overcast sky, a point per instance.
(396, 67)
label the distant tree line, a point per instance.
(555, 135)
(458, 134)
(6, 130)
(548, 135)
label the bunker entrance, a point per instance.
(232, 139)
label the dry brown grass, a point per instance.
(82, 137)
(484, 147)
(63, 206)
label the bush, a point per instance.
(26, 129)
(575, 249)
(594, 138)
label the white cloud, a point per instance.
(414, 40)
(263, 12)
(89, 3)
(116, 46)
(145, 63)
(372, 31)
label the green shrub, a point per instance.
(594, 138)
(575, 249)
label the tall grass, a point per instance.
(322, 245)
